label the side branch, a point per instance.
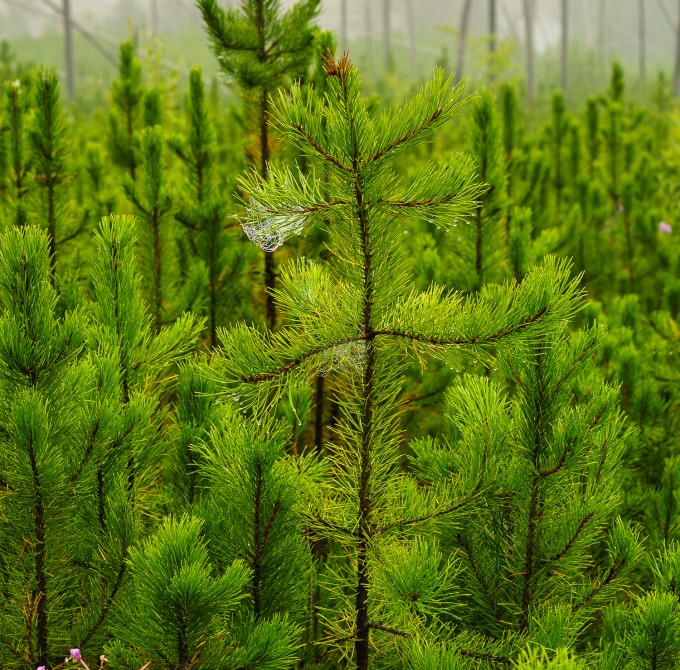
(433, 515)
(475, 339)
(407, 136)
(296, 362)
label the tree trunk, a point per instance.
(529, 29)
(68, 50)
(676, 75)
(462, 44)
(411, 32)
(564, 66)
(643, 40)
(602, 33)
(154, 18)
(368, 30)
(492, 39)
(343, 25)
(387, 36)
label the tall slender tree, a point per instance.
(462, 38)
(357, 317)
(529, 16)
(261, 48)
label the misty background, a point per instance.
(403, 37)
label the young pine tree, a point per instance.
(127, 97)
(67, 517)
(261, 48)
(203, 211)
(49, 148)
(169, 293)
(17, 184)
(357, 316)
(481, 249)
(178, 613)
(550, 461)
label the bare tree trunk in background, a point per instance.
(343, 25)
(368, 30)
(492, 38)
(643, 40)
(564, 79)
(602, 34)
(462, 43)
(676, 74)
(68, 50)
(411, 32)
(529, 30)
(387, 36)
(154, 18)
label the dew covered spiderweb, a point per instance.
(270, 230)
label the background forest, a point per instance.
(326, 362)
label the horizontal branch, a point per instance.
(406, 136)
(387, 629)
(432, 515)
(474, 339)
(296, 362)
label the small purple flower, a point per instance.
(665, 228)
(41, 667)
(75, 654)
(619, 208)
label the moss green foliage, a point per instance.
(444, 437)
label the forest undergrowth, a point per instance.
(321, 380)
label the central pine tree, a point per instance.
(357, 315)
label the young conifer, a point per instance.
(551, 469)
(168, 292)
(179, 610)
(144, 359)
(557, 137)
(127, 96)
(66, 433)
(261, 48)
(482, 249)
(49, 150)
(357, 317)
(203, 211)
(18, 160)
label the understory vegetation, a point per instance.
(317, 379)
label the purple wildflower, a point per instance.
(619, 208)
(665, 228)
(41, 667)
(75, 654)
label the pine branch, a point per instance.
(570, 543)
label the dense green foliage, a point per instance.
(445, 435)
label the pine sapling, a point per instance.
(356, 316)
(261, 48)
(127, 96)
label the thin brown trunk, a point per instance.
(462, 43)
(68, 50)
(642, 35)
(564, 68)
(40, 591)
(676, 75)
(530, 63)
(387, 36)
(318, 414)
(411, 32)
